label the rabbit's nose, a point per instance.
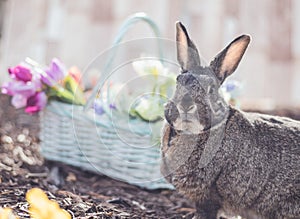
(187, 117)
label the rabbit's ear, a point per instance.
(229, 58)
(187, 53)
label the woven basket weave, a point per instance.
(76, 136)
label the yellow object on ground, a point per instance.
(43, 208)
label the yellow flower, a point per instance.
(6, 213)
(43, 208)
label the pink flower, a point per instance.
(19, 101)
(75, 73)
(20, 73)
(54, 73)
(36, 103)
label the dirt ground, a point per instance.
(84, 195)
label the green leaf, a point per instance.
(149, 109)
(73, 87)
(63, 95)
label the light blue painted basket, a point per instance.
(75, 135)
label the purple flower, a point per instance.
(36, 103)
(21, 88)
(230, 87)
(98, 107)
(112, 106)
(21, 91)
(54, 73)
(20, 73)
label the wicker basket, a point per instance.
(76, 136)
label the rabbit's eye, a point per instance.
(179, 78)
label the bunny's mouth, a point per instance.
(187, 121)
(188, 126)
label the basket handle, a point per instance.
(130, 21)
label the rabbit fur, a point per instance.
(226, 160)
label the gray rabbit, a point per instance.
(225, 160)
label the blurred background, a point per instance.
(76, 31)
